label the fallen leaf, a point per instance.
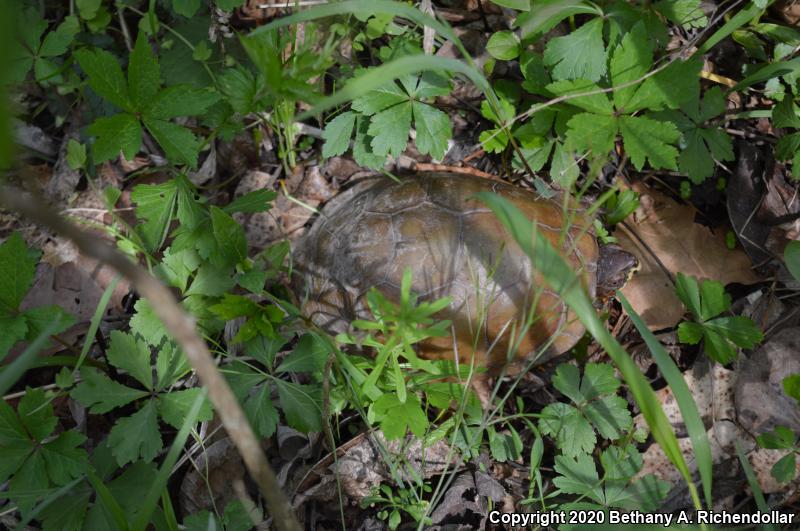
(666, 241)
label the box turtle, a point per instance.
(454, 245)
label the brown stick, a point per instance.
(466, 170)
(182, 328)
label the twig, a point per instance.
(181, 327)
(466, 170)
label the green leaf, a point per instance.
(596, 103)
(302, 405)
(433, 130)
(186, 8)
(41, 317)
(17, 269)
(105, 77)
(36, 413)
(239, 88)
(687, 13)
(397, 417)
(362, 148)
(175, 405)
(155, 203)
(598, 379)
(781, 438)
(379, 99)
(178, 143)
(130, 354)
(147, 324)
(609, 415)
(504, 45)
(741, 331)
(520, 5)
(632, 59)
(230, 238)
(785, 469)
(648, 139)
(101, 394)
(88, 8)
(578, 475)
(791, 386)
(786, 114)
(544, 15)
(567, 380)
(12, 329)
(261, 413)
(180, 100)
(252, 202)
(144, 75)
(690, 333)
(571, 430)
(309, 355)
(136, 436)
(578, 55)
(211, 281)
(389, 130)
(592, 132)
(63, 458)
(120, 132)
(76, 154)
(57, 41)
(171, 365)
(670, 88)
(337, 134)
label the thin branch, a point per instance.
(181, 327)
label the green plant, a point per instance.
(391, 505)
(720, 335)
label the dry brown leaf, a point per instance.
(667, 238)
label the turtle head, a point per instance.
(615, 267)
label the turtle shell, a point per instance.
(454, 245)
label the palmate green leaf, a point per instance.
(609, 415)
(57, 41)
(13, 328)
(687, 13)
(29, 484)
(180, 100)
(35, 412)
(785, 469)
(786, 114)
(702, 146)
(362, 148)
(397, 418)
(211, 281)
(337, 134)
(101, 394)
(41, 317)
(17, 268)
(230, 239)
(261, 413)
(105, 77)
(578, 55)
(301, 404)
(631, 59)
(741, 331)
(433, 130)
(63, 458)
(567, 380)
(646, 139)
(389, 129)
(147, 324)
(578, 475)
(571, 430)
(379, 99)
(598, 379)
(309, 355)
(596, 103)
(670, 88)
(175, 405)
(171, 365)
(132, 355)
(186, 8)
(120, 132)
(136, 437)
(144, 75)
(592, 132)
(178, 143)
(155, 204)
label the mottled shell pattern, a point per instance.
(432, 223)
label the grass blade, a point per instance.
(17, 368)
(691, 416)
(95, 322)
(108, 500)
(557, 273)
(761, 503)
(157, 488)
